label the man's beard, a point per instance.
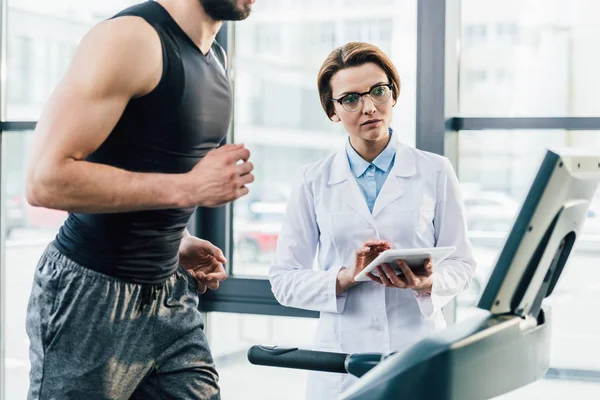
(225, 10)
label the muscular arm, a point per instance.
(117, 60)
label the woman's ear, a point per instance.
(335, 118)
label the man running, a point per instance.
(127, 144)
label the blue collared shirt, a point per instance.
(371, 176)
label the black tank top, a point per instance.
(166, 131)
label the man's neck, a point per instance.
(191, 17)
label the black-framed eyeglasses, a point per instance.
(354, 101)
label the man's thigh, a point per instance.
(89, 340)
(184, 365)
(196, 381)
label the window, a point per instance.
(475, 77)
(268, 40)
(357, 3)
(503, 75)
(547, 48)
(19, 68)
(475, 34)
(373, 31)
(321, 37)
(42, 37)
(508, 32)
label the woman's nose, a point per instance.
(368, 105)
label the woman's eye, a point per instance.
(351, 98)
(379, 91)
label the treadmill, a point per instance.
(507, 345)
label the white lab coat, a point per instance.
(419, 205)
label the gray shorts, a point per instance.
(93, 336)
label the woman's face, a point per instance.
(371, 119)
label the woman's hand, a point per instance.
(419, 279)
(364, 255)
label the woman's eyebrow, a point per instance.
(372, 86)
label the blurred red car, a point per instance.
(257, 222)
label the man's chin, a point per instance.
(244, 13)
(226, 10)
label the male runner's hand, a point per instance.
(220, 177)
(204, 261)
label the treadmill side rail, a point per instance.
(500, 354)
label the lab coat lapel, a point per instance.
(394, 186)
(343, 181)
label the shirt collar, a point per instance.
(358, 165)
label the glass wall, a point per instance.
(529, 58)
(41, 39)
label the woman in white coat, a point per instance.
(373, 195)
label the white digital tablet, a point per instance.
(415, 258)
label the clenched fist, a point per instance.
(220, 177)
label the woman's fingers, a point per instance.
(363, 251)
(409, 276)
(384, 278)
(428, 267)
(395, 279)
(374, 278)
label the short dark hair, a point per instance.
(353, 54)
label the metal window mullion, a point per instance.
(524, 123)
(431, 50)
(17, 125)
(3, 35)
(450, 139)
(2, 276)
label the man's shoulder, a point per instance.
(129, 30)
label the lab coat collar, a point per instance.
(393, 188)
(404, 164)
